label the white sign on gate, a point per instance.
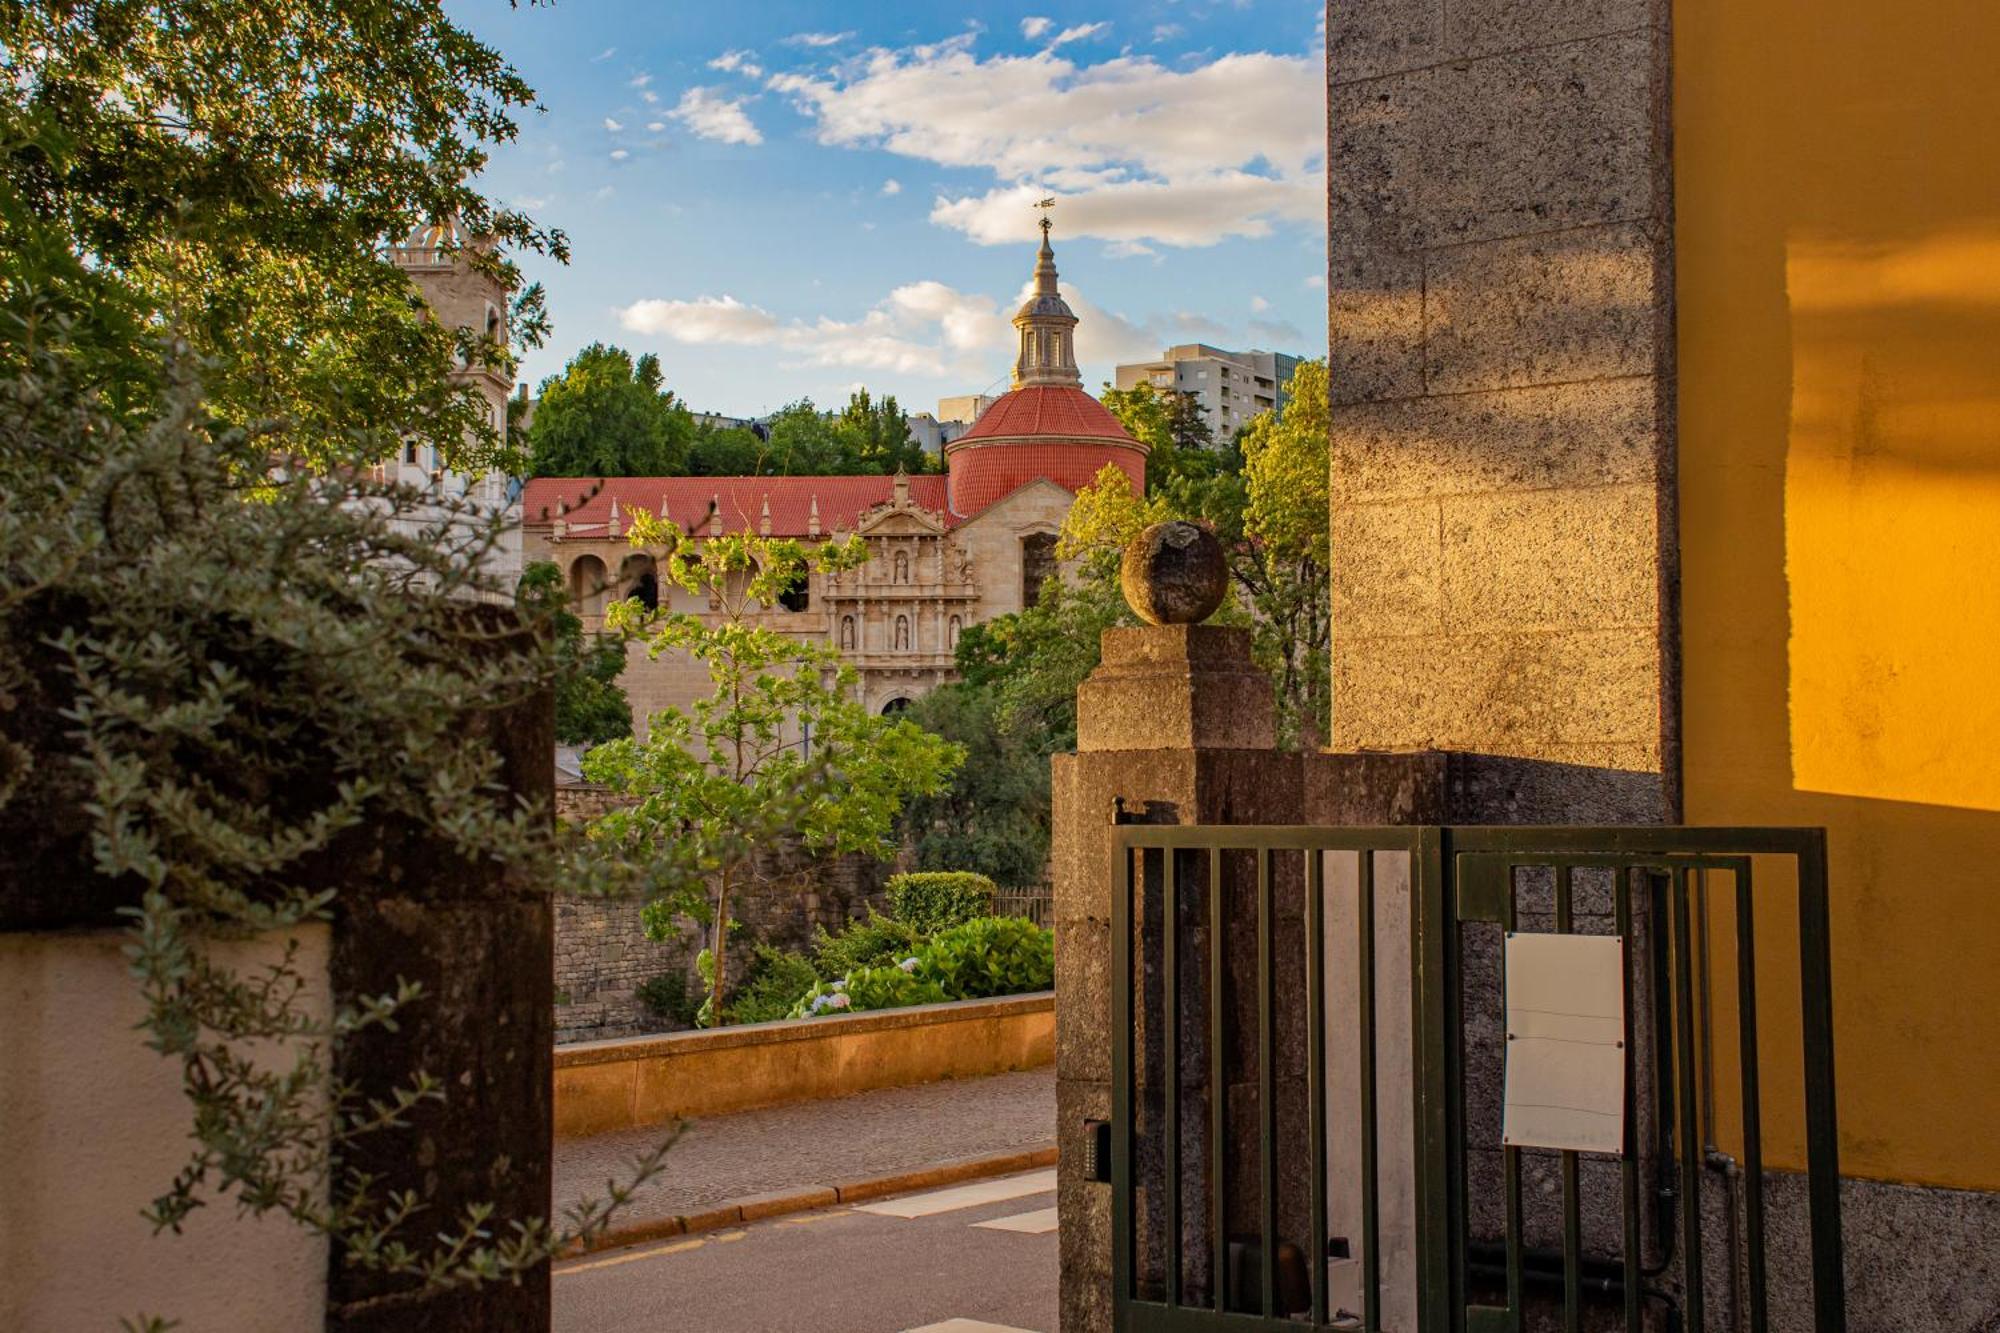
(1565, 1084)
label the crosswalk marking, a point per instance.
(966, 1326)
(963, 1196)
(1038, 1223)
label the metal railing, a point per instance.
(1218, 1037)
(1036, 904)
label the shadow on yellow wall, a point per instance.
(1838, 256)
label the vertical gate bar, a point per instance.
(1691, 1132)
(1510, 1156)
(1267, 1081)
(1218, 1095)
(1170, 1039)
(1822, 1130)
(1449, 1050)
(1572, 1219)
(1121, 1084)
(1753, 1126)
(1316, 1071)
(1432, 908)
(1628, 1166)
(1371, 1260)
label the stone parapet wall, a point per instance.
(612, 1085)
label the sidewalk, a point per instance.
(828, 1143)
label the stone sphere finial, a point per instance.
(1173, 574)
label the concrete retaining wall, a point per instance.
(608, 1085)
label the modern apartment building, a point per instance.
(1233, 386)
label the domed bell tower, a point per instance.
(1048, 328)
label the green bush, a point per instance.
(934, 900)
(992, 955)
(889, 987)
(666, 996)
(876, 942)
(778, 977)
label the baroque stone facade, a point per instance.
(944, 551)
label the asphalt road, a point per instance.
(860, 1269)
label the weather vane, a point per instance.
(1045, 205)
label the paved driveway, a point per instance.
(974, 1258)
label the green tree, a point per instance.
(607, 416)
(1271, 518)
(238, 170)
(993, 818)
(803, 442)
(1285, 563)
(590, 707)
(780, 751)
(726, 451)
(1181, 447)
(875, 437)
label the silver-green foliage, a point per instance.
(222, 670)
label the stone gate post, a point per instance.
(1178, 725)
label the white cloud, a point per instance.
(1259, 304)
(1031, 28)
(652, 98)
(710, 115)
(818, 39)
(1079, 33)
(1315, 280)
(892, 186)
(619, 154)
(921, 328)
(641, 80)
(604, 55)
(655, 126)
(612, 125)
(1137, 151)
(738, 62)
(1166, 32)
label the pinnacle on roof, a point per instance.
(1048, 327)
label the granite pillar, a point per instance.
(1176, 726)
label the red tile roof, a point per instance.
(985, 474)
(1058, 411)
(1043, 432)
(842, 500)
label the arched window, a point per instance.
(1038, 562)
(895, 706)
(902, 566)
(952, 628)
(847, 633)
(902, 634)
(587, 582)
(799, 595)
(639, 580)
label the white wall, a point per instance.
(92, 1127)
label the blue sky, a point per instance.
(793, 199)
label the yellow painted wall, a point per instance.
(1838, 255)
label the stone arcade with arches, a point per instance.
(945, 552)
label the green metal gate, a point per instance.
(1221, 1095)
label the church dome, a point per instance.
(1046, 427)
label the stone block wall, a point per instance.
(1501, 354)
(603, 955)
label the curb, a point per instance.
(804, 1198)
